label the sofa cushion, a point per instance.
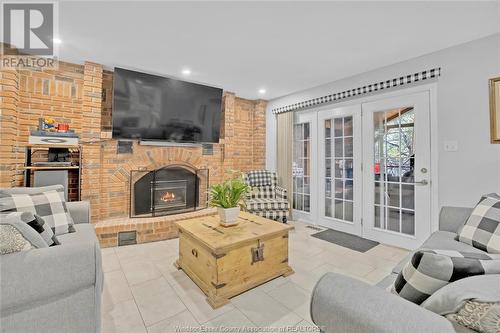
(254, 205)
(450, 298)
(49, 205)
(20, 220)
(84, 233)
(440, 240)
(482, 228)
(430, 270)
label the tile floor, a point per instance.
(143, 292)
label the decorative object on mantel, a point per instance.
(228, 197)
(495, 109)
(49, 132)
(383, 85)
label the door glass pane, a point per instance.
(408, 222)
(394, 161)
(339, 181)
(348, 211)
(348, 126)
(301, 167)
(328, 207)
(339, 151)
(339, 125)
(348, 147)
(328, 128)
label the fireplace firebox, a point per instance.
(168, 190)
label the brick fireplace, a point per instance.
(81, 95)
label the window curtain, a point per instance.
(285, 151)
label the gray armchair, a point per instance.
(54, 289)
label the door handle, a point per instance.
(422, 182)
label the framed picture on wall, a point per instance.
(495, 109)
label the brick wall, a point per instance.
(9, 100)
(81, 95)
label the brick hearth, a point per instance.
(148, 229)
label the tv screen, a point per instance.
(151, 107)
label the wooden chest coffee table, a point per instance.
(225, 262)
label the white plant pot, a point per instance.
(228, 216)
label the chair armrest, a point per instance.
(79, 211)
(341, 304)
(281, 193)
(452, 218)
(37, 275)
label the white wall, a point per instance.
(463, 115)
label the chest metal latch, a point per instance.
(258, 253)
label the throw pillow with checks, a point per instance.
(482, 228)
(259, 178)
(50, 206)
(430, 270)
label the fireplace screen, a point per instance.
(169, 190)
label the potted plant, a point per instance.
(229, 197)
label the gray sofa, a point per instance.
(54, 289)
(341, 304)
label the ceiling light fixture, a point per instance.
(186, 71)
(262, 91)
(57, 41)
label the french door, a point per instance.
(367, 169)
(396, 177)
(340, 178)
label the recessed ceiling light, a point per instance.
(262, 91)
(186, 71)
(57, 41)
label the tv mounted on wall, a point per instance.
(157, 108)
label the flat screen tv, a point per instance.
(157, 108)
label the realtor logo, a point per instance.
(28, 34)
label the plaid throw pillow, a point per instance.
(430, 270)
(39, 225)
(482, 228)
(259, 178)
(50, 206)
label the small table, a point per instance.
(225, 262)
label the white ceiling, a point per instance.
(280, 46)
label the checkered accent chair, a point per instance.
(267, 199)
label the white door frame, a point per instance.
(331, 222)
(422, 192)
(433, 110)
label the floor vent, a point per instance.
(314, 228)
(127, 238)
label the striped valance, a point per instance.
(396, 82)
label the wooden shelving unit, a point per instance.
(29, 168)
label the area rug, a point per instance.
(352, 242)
